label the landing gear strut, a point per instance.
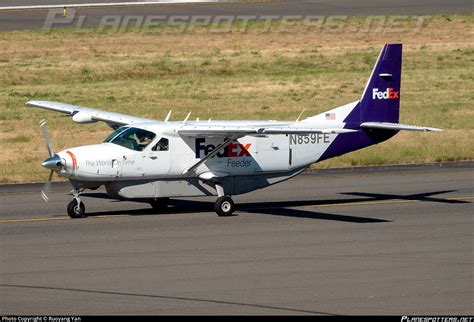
(224, 205)
(76, 208)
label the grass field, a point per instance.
(235, 75)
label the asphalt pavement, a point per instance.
(35, 19)
(388, 241)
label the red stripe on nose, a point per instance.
(74, 161)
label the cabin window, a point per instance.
(162, 145)
(131, 138)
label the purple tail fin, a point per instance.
(380, 101)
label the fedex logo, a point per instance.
(233, 150)
(389, 94)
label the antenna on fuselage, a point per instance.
(298, 118)
(167, 118)
(187, 117)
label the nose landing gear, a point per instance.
(76, 208)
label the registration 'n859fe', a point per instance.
(309, 138)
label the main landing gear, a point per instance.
(159, 204)
(76, 208)
(224, 205)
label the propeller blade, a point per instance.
(47, 187)
(46, 137)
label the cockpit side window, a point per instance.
(112, 135)
(131, 138)
(162, 145)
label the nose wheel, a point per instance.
(76, 208)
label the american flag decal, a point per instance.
(330, 116)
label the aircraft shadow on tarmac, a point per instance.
(427, 196)
(282, 208)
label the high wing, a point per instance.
(263, 129)
(85, 115)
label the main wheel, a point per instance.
(75, 209)
(159, 204)
(224, 206)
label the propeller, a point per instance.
(46, 137)
(47, 187)
(53, 162)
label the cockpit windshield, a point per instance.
(131, 138)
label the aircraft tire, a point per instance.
(224, 206)
(159, 204)
(76, 211)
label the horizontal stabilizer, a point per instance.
(397, 127)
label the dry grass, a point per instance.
(233, 76)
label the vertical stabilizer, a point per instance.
(380, 101)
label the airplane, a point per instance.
(145, 159)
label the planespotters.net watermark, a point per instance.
(234, 23)
(437, 319)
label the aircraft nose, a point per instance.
(53, 163)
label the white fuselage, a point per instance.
(245, 156)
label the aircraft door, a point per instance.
(156, 161)
(273, 153)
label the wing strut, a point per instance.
(210, 155)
